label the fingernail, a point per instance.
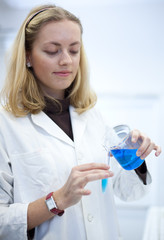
(107, 175)
(157, 154)
(138, 153)
(134, 139)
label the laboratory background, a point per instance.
(124, 42)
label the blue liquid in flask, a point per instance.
(127, 158)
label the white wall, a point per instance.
(124, 43)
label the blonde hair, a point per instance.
(21, 93)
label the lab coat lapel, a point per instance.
(78, 125)
(43, 121)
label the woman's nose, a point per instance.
(65, 58)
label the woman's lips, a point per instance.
(63, 73)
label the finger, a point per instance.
(84, 192)
(90, 166)
(151, 147)
(144, 146)
(93, 177)
(147, 151)
(158, 150)
(94, 171)
(135, 135)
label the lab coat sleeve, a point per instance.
(127, 185)
(13, 216)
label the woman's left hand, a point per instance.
(147, 145)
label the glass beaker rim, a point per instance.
(122, 141)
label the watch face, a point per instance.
(50, 203)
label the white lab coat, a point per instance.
(41, 156)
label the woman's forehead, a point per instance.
(59, 31)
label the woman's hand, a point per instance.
(147, 145)
(73, 190)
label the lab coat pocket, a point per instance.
(34, 173)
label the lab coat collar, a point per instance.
(78, 126)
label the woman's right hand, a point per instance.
(73, 190)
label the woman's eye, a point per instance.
(74, 52)
(51, 53)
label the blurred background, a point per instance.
(124, 41)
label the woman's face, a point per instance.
(55, 56)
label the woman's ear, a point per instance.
(28, 60)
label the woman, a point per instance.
(51, 139)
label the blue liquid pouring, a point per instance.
(127, 158)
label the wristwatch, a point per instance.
(52, 207)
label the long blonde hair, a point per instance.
(21, 93)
